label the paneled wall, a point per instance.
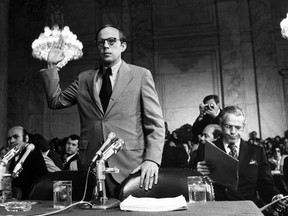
(193, 48)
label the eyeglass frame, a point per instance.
(230, 127)
(100, 42)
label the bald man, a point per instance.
(34, 165)
(211, 132)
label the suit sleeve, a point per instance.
(152, 120)
(56, 98)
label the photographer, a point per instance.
(209, 114)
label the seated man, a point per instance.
(33, 166)
(71, 150)
(209, 114)
(52, 159)
(254, 177)
(211, 132)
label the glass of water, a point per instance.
(62, 194)
(196, 189)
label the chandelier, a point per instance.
(72, 47)
(284, 27)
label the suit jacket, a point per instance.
(198, 126)
(254, 175)
(133, 114)
(174, 157)
(66, 165)
(56, 158)
(33, 168)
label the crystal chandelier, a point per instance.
(284, 27)
(72, 47)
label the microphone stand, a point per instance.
(100, 200)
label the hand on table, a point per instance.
(149, 174)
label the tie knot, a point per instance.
(107, 72)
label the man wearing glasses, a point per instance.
(116, 97)
(253, 171)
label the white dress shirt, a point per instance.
(113, 77)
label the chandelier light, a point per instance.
(284, 27)
(72, 47)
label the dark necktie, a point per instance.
(233, 151)
(106, 89)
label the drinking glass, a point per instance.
(196, 189)
(62, 194)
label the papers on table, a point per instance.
(147, 204)
(226, 167)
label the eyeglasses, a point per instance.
(230, 127)
(100, 42)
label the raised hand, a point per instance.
(56, 53)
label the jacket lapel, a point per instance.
(91, 84)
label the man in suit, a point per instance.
(209, 114)
(71, 150)
(133, 111)
(253, 171)
(34, 165)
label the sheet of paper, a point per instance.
(148, 204)
(226, 167)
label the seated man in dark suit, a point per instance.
(209, 114)
(33, 166)
(253, 171)
(71, 150)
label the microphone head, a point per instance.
(119, 144)
(30, 147)
(111, 135)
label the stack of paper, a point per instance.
(153, 204)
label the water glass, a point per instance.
(196, 189)
(62, 194)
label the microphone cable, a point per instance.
(73, 204)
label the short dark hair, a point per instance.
(274, 147)
(122, 36)
(209, 97)
(73, 137)
(40, 142)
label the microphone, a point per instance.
(114, 148)
(110, 137)
(18, 168)
(12, 153)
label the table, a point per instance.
(223, 208)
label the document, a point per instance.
(226, 167)
(148, 204)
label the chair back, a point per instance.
(172, 182)
(42, 189)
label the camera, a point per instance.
(209, 106)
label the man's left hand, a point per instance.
(149, 174)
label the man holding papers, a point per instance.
(251, 171)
